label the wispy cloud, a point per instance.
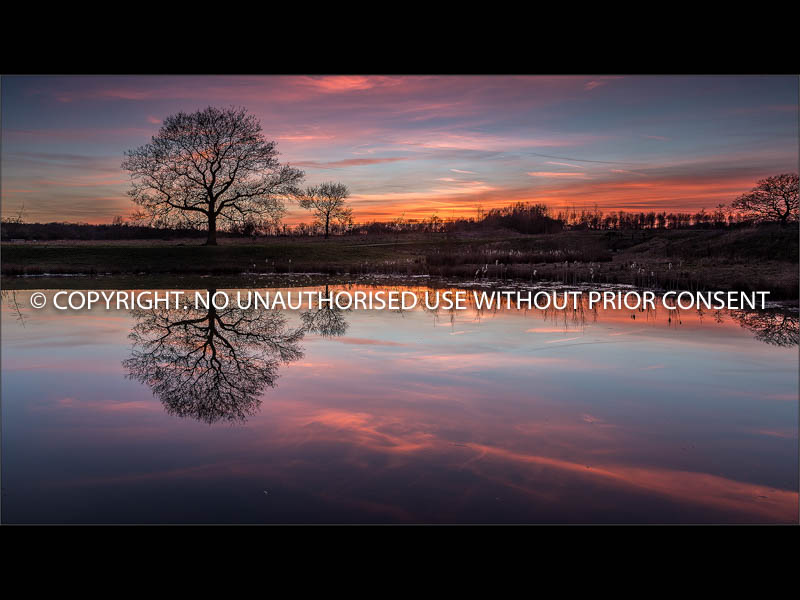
(349, 162)
(586, 160)
(563, 164)
(557, 174)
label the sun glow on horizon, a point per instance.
(418, 146)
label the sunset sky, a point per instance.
(418, 145)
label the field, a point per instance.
(748, 259)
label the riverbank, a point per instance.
(743, 260)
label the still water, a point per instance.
(392, 417)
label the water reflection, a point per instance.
(778, 328)
(496, 416)
(327, 320)
(10, 300)
(214, 365)
(211, 365)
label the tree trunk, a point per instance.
(327, 222)
(785, 216)
(212, 230)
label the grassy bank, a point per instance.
(748, 259)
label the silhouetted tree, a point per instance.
(210, 364)
(772, 199)
(327, 202)
(210, 165)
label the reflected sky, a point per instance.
(503, 416)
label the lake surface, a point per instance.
(387, 417)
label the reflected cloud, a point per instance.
(510, 424)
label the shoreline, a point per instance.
(274, 281)
(757, 259)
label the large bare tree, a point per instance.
(327, 202)
(209, 166)
(772, 199)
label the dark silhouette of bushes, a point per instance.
(83, 231)
(523, 218)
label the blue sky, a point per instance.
(418, 145)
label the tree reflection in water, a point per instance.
(327, 321)
(210, 364)
(779, 328)
(213, 365)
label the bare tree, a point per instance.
(327, 202)
(19, 219)
(210, 165)
(772, 199)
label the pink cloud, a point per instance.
(366, 342)
(347, 83)
(557, 174)
(349, 162)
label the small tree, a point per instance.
(207, 166)
(772, 199)
(327, 202)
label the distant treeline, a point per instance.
(531, 218)
(522, 217)
(11, 230)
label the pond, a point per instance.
(366, 416)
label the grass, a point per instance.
(233, 256)
(749, 259)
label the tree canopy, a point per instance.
(327, 202)
(772, 199)
(208, 166)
